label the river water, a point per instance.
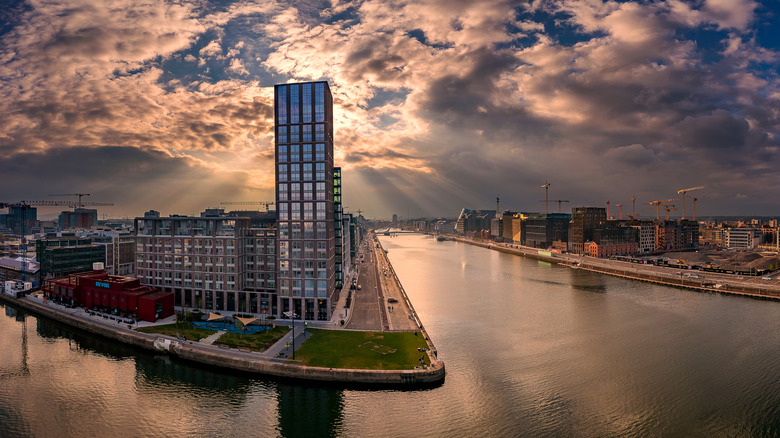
(531, 349)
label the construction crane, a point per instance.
(75, 204)
(559, 201)
(25, 205)
(621, 210)
(546, 187)
(684, 191)
(267, 204)
(694, 207)
(668, 208)
(657, 204)
(607, 210)
(633, 208)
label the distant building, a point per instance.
(646, 230)
(444, 226)
(584, 222)
(496, 228)
(474, 222)
(743, 238)
(676, 235)
(542, 229)
(617, 240)
(715, 236)
(78, 218)
(11, 269)
(512, 225)
(18, 217)
(60, 256)
(120, 252)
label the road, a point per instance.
(368, 311)
(371, 307)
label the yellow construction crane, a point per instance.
(267, 204)
(546, 187)
(684, 191)
(657, 204)
(694, 206)
(668, 208)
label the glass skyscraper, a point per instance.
(303, 123)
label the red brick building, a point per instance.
(114, 294)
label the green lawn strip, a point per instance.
(362, 350)
(255, 342)
(178, 330)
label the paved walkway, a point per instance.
(210, 339)
(283, 348)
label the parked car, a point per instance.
(392, 300)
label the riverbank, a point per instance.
(665, 276)
(244, 361)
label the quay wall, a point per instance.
(632, 271)
(250, 362)
(433, 353)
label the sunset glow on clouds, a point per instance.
(438, 105)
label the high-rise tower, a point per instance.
(303, 122)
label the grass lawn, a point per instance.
(178, 330)
(364, 350)
(255, 342)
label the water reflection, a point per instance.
(310, 411)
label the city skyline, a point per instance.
(437, 105)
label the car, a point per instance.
(359, 287)
(392, 300)
(766, 278)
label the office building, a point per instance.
(542, 229)
(60, 256)
(303, 116)
(584, 221)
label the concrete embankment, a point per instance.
(633, 271)
(432, 352)
(227, 358)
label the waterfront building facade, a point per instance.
(202, 260)
(542, 229)
(584, 221)
(118, 295)
(306, 257)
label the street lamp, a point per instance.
(292, 316)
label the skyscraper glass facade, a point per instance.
(304, 193)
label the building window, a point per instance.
(294, 104)
(281, 104)
(306, 104)
(319, 102)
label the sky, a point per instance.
(438, 105)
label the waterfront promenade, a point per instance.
(706, 281)
(277, 360)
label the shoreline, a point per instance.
(256, 363)
(629, 271)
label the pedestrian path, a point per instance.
(210, 339)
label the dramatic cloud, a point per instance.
(439, 105)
